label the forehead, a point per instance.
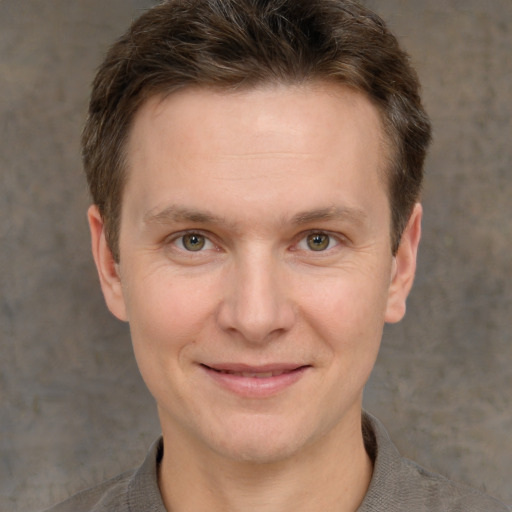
(287, 105)
(252, 142)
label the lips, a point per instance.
(261, 371)
(255, 381)
(253, 374)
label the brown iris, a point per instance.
(318, 241)
(193, 242)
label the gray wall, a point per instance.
(73, 410)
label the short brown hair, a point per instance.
(241, 44)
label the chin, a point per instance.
(259, 451)
(259, 441)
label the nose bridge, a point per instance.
(255, 304)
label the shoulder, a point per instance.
(134, 490)
(401, 485)
(111, 496)
(439, 493)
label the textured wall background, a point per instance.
(73, 410)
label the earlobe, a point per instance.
(404, 267)
(106, 266)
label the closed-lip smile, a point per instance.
(255, 381)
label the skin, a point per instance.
(251, 178)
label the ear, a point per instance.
(404, 267)
(108, 269)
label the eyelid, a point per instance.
(171, 239)
(175, 237)
(335, 237)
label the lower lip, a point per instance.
(254, 387)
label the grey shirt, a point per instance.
(397, 485)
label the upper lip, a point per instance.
(247, 368)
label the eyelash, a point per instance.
(311, 235)
(178, 241)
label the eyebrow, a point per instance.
(350, 214)
(175, 213)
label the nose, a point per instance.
(256, 303)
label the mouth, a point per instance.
(255, 382)
(254, 374)
(258, 372)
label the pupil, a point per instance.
(193, 242)
(318, 242)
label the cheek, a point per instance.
(166, 314)
(167, 317)
(354, 301)
(347, 313)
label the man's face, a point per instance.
(256, 270)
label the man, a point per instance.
(255, 168)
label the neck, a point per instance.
(332, 474)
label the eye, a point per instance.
(193, 242)
(317, 242)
